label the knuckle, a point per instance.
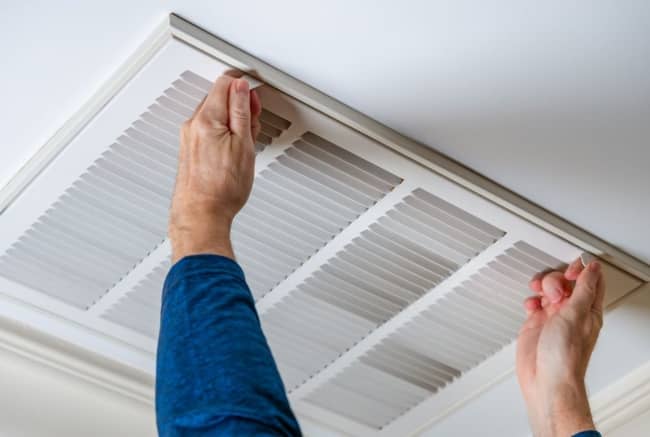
(240, 113)
(201, 126)
(589, 288)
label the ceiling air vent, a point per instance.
(388, 280)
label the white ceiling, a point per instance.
(549, 99)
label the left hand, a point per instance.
(555, 345)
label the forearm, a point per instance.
(569, 410)
(561, 410)
(214, 365)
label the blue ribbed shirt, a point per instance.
(215, 372)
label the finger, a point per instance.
(215, 105)
(573, 271)
(554, 286)
(239, 108)
(586, 289)
(532, 304)
(600, 296)
(198, 107)
(535, 283)
(256, 110)
(235, 74)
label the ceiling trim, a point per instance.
(75, 361)
(623, 400)
(446, 167)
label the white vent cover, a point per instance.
(384, 288)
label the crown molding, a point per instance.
(623, 400)
(57, 354)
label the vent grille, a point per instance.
(298, 204)
(295, 208)
(463, 328)
(373, 278)
(116, 212)
(140, 308)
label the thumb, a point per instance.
(588, 288)
(239, 109)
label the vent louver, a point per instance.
(463, 328)
(140, 308)
(369, 281)
(299, 203)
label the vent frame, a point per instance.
(436, 162)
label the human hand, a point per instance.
(216, 167)
(554, 347)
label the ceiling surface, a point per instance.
(550, 99)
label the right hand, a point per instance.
(215, 169)
(554, 347)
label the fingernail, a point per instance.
(555, 295)
(594, 266)
(241, 86)
(586, 258)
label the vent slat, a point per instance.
(455, 211)
(274, 120)
(326, 180)
(329, 278)
(200, 82)
(180, 110)
(269, 130)
(360, 163)
(150, 136)
(189, 89)
(166, 115)
(161, 124)
(182, 98)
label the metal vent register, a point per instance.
(382, 287)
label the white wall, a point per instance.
(37, 400)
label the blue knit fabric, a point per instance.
(215, 372)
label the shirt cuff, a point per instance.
(193, 265)
(590, 433)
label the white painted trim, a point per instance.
(80, 363)
(46, 154)
(444, 166)
(623, 400)
(331, 420)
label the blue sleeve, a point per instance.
(587, 434)
(215, 373)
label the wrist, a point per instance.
(566, 407)
(210, 236)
